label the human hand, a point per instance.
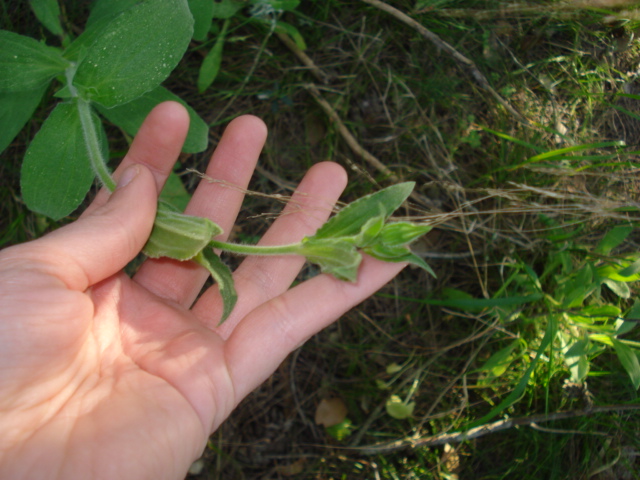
(106, 376)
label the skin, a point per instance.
(105, 376)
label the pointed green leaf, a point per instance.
(48, 12)
(26, 64)
(223, 277)
(629, 360)
(202, 11)
(135, 52)
(350, 219)
(631, 270)
(613, 238)
(211, 63)
(56, 171)
(179, 236)
(16, 109)
(402, 233)
(398, 255)
(130, 116)
(334, 256)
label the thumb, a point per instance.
(100, 244)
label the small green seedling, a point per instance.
(114, 69)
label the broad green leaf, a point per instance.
(130, 116)
(629, 360)
(16, 109)
(211, 63)
(223, 277)
(613, 272)
(178, 236)
(108, 9)
(613, 238)
(350, 219)
(334, 256)
(56, 171)
(224, 9)
(202, 11)
(26, 64)
(48, 12)
(576, 359)
(135, 52)
(619, 288)
(398, 409)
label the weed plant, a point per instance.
(535, 239)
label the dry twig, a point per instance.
(457, 437)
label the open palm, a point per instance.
(106, 376)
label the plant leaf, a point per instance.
(296, 36)
(130, 116)
(224, 9)
(402, 233)
(48, 12)
(629, 360)
(179, 236)
(398, 409)
(349, 220)
(56, 171)
(174, 192)
(398, 255)
(135, 52)
(26, 64)
(619, 288)
(108, 10)
(223, 277)
(632, 269)
(285, 5)
(337, 257)
(16, 109)
(211, 63)
(202, 11)
(613, 238)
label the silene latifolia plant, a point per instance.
(114, 70)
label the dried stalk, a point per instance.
(457, 437)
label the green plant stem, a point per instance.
(93, 144)
(290, 249)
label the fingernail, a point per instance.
(128, 175)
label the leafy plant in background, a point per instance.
(575, 308)
(262, 13)
(114, 69)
